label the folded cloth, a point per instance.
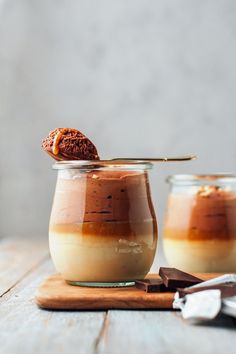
(207, 304)
(229, 306)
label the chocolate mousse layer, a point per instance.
(214, 212)
(103, 196)
(69, 144)
(209, 214)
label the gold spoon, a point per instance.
(118, 161)
(156, 159)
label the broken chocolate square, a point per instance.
(150, 285)
(175, 278)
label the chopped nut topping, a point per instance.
(95, 176)
(209, 191)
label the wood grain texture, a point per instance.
(55, 293)
(157, 332)
(24, 328)
(17, 257)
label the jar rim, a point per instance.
(102, 165)
(194, 178)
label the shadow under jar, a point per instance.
(103, 229)
(200, 223)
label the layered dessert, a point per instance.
(200, 229)
(102, 226)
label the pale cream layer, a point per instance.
(93, 259)
(201, 256)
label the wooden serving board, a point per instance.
(55, 293)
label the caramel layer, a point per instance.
(146, 229)
(195, 234)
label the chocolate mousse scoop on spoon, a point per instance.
(69, 144)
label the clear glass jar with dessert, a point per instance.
(200, 224)
(103, 229)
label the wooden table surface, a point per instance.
(26, 329)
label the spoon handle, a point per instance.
(157, 159)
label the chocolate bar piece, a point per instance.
(151, 285)
(227, 289)
(175, 278)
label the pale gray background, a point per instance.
(139, 77)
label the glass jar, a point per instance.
(200, 223)
(103, 229)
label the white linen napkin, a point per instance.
(206, 304)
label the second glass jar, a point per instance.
(200, 223)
